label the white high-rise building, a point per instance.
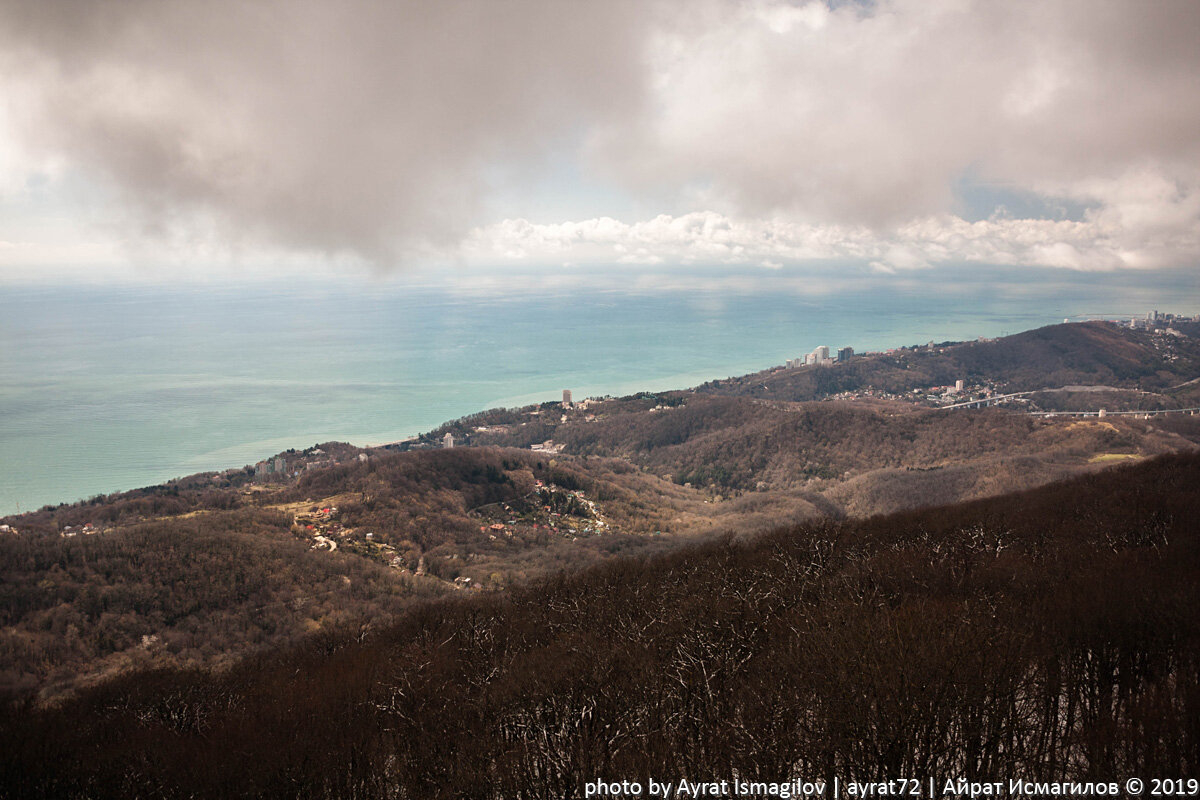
(448, 440)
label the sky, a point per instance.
(159, 140)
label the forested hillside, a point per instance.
(213, 567)
(1091, 353)
(94, 588)
(1048, 635)
(743, 444)
(195, 590)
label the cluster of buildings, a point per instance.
(276, 466)
(1155, 320)
(820, 357)
(87, 529)
(568, 403)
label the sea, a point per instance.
(110, 387)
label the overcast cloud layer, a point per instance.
(763, 133)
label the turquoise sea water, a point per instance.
(111, 388)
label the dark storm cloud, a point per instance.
(375, 128)
(336, 126)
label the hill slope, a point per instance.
(215, 566)
(1090, 353)
(827, 451)
(1049, 635)
(95, 588)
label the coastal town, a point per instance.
(965, 393)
